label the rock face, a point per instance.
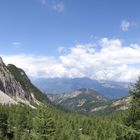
(5, 99)
(9, 85)
(11, 91)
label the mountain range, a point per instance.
(110, 89)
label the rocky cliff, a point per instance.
(15, 87)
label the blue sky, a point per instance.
(51, 29)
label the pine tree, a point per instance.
(3, 122)
(134, 111)
(133, 118)
(43, 125)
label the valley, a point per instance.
(84, 114)
(69, 70)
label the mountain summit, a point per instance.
(15, 87)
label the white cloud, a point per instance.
(113, 61)
(109, 59)
(35, 66)
(125, 25)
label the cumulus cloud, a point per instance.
(112, 62)
(36, 66)
(108, 59)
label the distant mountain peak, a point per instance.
(1, 62)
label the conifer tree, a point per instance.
(3, 122)
(43, 124)
(133, 118)
(134, 111)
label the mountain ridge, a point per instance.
(17, 88)
(89, 101)
(110, 89)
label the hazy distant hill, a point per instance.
(110, 89)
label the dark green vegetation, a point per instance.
(49, 123)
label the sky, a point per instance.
(99, 39)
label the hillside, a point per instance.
(89, 101)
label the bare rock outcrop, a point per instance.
(12, 88)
